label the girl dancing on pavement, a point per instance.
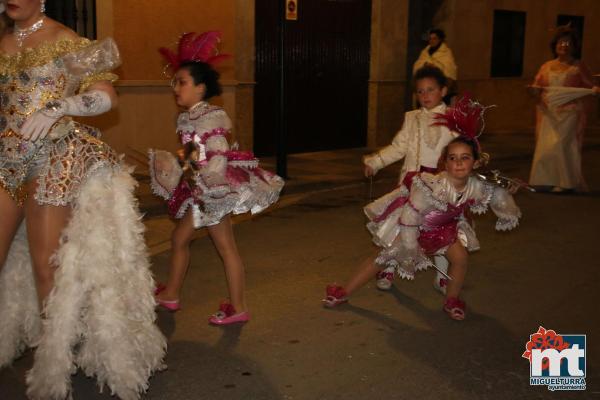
(215, 181)
(425, 216)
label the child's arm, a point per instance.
(214, 138)
(505, 208)
(391, 153)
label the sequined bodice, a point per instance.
(31, 78)
(437, 218)
(30, 89)
(203, 119)
(28, 80)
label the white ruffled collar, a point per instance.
(442, 190)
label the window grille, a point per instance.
(79, 15)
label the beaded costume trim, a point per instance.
(90, 80)
(437, 203)
(40, 55)
(481, 206)
(19, 195)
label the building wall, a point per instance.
(469, 27)
(387, 83)
(146, 114)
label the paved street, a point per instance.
(383, 345)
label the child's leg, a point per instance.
(222, 236)
(440, 281)
(180, 257)
(364, 273)
(458, 256)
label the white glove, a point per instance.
(37, 126)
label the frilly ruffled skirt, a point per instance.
(385, 228)
(246, 188)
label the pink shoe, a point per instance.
(171, 305)
(227, 315)
(336, 295)
(455, 308)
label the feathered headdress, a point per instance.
(194, 47)
(465, 118)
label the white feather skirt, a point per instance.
(100, 315)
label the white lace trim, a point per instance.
(507, 223)
(250, 164)
(156, 187)
(439, 204)
(481, 206)
(183, 207)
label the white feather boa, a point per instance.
(100, 315)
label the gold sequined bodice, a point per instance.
(31, 78)
(28, 80)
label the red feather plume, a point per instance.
(465, 118)
(193, 47)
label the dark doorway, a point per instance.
(77, 15)
(326, 57)
(508, 43)
(421, 15)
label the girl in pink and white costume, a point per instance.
(420, 144)
(216, 180)
(426, 216)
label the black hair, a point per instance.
(439, 33)
(433, 73)
(202, 72)
(568, 33)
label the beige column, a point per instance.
(104, 18)
(387, 83)
(244, 73)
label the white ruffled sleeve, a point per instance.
(93, 63)
(505, 208)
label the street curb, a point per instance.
(284, 201)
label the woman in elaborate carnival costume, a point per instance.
(559, 88)
(75, 279)
(426, 215)
(216, 180)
